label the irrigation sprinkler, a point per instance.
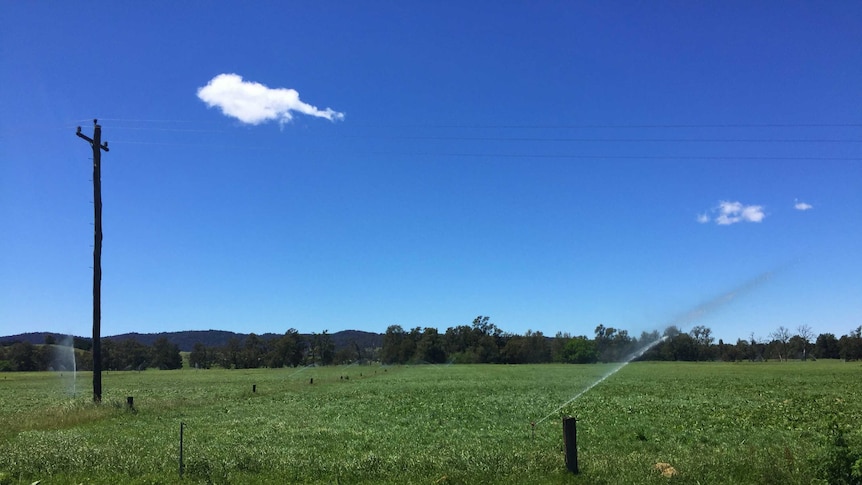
(532, 429)
(253, 388)
(570, 439)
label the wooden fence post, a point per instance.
(182, 425)
(570, 439)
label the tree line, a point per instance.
(288, 350)
(123, 355)
(484, 342)
(479, 342)
(253, 351)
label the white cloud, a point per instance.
(753, 213)
(253, 103)
(733, 212)
(802, 206)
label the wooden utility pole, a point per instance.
(98, 146)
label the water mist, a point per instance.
(681, 321)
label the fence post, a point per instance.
(570, 439)
(182, 425)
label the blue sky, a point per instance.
(552, 165)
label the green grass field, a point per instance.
(714, 423)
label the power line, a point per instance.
(621, 157)
(613, 140)
(127, 120)
(546, 126)
(182, 130)
(624, 125)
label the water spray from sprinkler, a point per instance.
(634, 355)
(682, 320)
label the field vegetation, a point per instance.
(650, 423)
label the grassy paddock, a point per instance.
(714, 423)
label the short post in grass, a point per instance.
(130, 403)
(570, 440)
(254, 388)
(182, 425)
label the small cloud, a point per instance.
(253, 103)
(802, 206)
(733, 212)
(753, 213)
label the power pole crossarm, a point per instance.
(98, 146)
(103, 146)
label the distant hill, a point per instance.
(186, 339)
(32, 337)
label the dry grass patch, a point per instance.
(665, 469)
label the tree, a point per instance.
(392, 340)
(286, 350)
(200, 357)
(109, 355)
(756, 350)
(781, 335)
(254, 348)
(623, 345)
(580, 350)
(298, 344)
(796, 348)
(230, 354)
(806, 334)
(166, 355)
(826, 347)
(346, 355)
(128, 354)
(604, 343)
(408, 345)
(430, 347)
(850, 346)
(486, 350)
(539, 347)
(483, 325)
(612, 345)
(729, 352)
(703, 341)
(82, 343)
(322, 348)
(558, 344)
(647, 338)
(683, 347)
(516, 351)
(22, 356)
(458, 341)
(84, 361)
(530, 348)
